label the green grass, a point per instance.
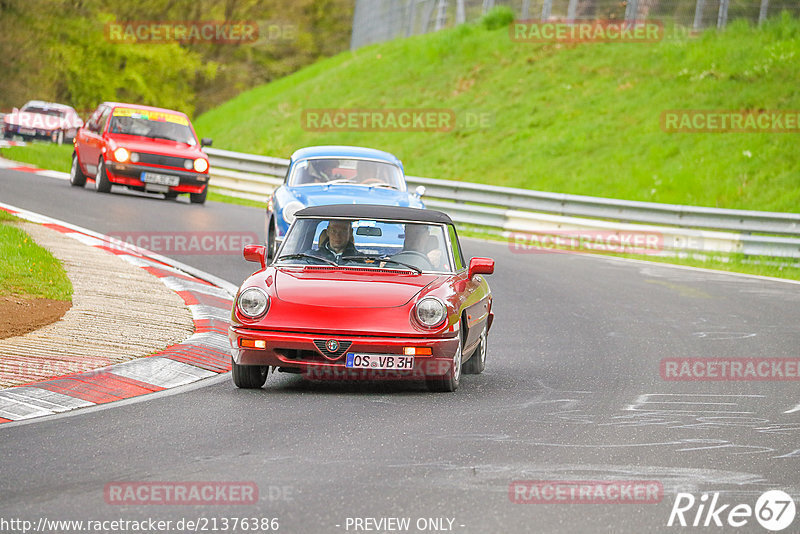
(571, 118)
(219, 197)
(42, 155)
(26, 269)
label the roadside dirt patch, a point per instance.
(19, 315)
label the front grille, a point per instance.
(158, 159)
(322, 346)
(298, 355)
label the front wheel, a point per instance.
(76, 176)
(101, 183)
(249, 376)
(199, 198)
(477, 362)
(449, 381)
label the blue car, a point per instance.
(322, 175)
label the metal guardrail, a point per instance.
(509, 210)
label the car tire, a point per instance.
(101, 183)
(449, 381)
(199, 198)
(76, 176)
(477, 362)
(249, 376)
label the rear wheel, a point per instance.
(450, 380)
(199, 198)
(249, 376)
(101, 183)
(477, 362)
(76, 176)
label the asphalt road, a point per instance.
(572, 392)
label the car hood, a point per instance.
(318, 195)
(157, 146)
(348, 288)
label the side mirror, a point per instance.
(480, 266)
(206, 141)
(420, 190)
(256, 253)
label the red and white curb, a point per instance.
(203, 355)
(5, 144)
(10, 165)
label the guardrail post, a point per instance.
(461, 13)
(572, 7)
(632, 10)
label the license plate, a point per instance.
(356, 360)
(160, 179)
(26, 131)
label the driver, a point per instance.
(321, 170)
(337, 241)
(418, 239)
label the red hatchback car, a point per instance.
(143, 148)
(364, 291)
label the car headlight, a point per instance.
(252, 302)
(200, 165)
(121, 155)
(290, 209)
(431, 311)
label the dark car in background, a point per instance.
(42, 120)
(142, 148)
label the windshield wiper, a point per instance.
(153, 136)
(340, 181)
(384, 259)
(387, 186)
(304, 255)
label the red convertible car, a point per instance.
(142, 148)
(359, 291)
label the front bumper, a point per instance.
(130, 174)
(298, 351)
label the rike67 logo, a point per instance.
(774, 510)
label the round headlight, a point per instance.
(431, 311)
(253, 302)
(134, 157)
(290, 209)
(200, 165)
(121, 154)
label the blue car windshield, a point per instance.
(364, 172)
(366, 243)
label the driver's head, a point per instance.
(338, 235)
(325, 166)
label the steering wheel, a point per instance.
(414, 258)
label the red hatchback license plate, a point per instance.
(160, 179)
(356, 360)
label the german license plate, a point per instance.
(160, 179)
(357, 360)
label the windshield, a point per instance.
(153, 124)
(44, 111)
(419, 247)
(371, 173)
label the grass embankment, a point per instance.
(27, 270)
(571, 118)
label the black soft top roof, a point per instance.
(375, 211)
